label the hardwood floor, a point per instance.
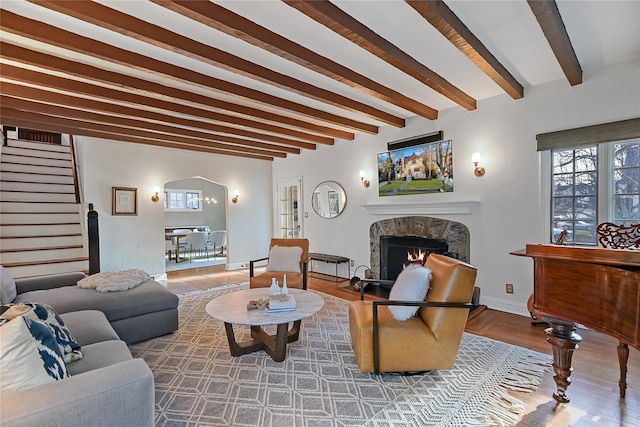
(594, 392)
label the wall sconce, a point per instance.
(475, 159)
(236, 194)
(365, 182)
(156, 196)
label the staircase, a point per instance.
(41, 224)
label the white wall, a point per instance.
(509, 213)
(138, 241)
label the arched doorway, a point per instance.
(193, 204)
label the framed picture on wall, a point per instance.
(124, 201)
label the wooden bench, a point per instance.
(336, 259)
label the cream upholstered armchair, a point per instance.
(426, 341)
(286, 256)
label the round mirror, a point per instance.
(329, 199)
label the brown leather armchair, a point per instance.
(295, 279)
(427, 341)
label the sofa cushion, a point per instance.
(147, 298)
(89, 326)
(100, 355)
(29, 355)
(69, 347)
(412, 285)
(8, 290)
(284, 258)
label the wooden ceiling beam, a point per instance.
(91, 73)
(78, 127)
(438, 14)
(31, 93)
(138, 29)
(334, 18)
(124, 122)
(54, 36)
(105, 135)
(228, 22)
(46, 80)
(548, 16)
(53, 63)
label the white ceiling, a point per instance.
(601, 33)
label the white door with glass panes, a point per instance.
(289, 206)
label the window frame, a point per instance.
(605, 186)
(185, 192)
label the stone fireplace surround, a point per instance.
(454, 233)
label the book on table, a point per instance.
(282, 304)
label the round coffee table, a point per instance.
(231, 309)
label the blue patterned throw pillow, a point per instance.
(29, 355)
(69, 347)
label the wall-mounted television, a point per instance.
(422, 169)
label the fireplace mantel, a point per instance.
(438, 208)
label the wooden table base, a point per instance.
(274, 345)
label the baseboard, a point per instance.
(505, 305)
(238, 266)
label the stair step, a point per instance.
(30, 242)
(21, 176)
(10, 196)
(49, 267)
(13, 231)
(35, 161)
(36, 257)
(41, 228)
(29, 218)
(37, 153)
(36, 169)
(34, 145)
(10, 207)
(36, 187)
(41, 248)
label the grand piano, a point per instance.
(595, 287)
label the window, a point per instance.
(626, 176)
(193, 200)
(575, 194)
(180, 200)
(594, 184)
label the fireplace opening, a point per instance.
(396, 252)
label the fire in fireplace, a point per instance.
(398, 251)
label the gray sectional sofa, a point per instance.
(146, 311)
(107, 387)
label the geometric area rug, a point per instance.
(198, 383)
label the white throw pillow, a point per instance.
(284, 258)
(69, 347)
(8, 290)
(29, 355)
(412, 284)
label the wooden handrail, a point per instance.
(76, 184)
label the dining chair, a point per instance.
(218, 240)
(197, 242)
(169, 247)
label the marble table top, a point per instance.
(232, 307)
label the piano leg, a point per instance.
(623, 357)
(564, 340)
